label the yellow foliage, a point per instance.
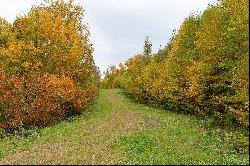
(203, 70)
(47, 70)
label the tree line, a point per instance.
(47, 72)
(203, 70)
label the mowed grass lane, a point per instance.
(115, 130)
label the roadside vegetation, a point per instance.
(202, 71)
(47, 72)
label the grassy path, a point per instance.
(117, 131)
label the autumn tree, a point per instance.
(203, 70)
(147, 48)
(47, 67)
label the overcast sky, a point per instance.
(118, 27)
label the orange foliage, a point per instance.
(40, 100)
(47, 71)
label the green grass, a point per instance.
(182, 140)
(116, 130)
(23, 139)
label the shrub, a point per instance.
(40, 100)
